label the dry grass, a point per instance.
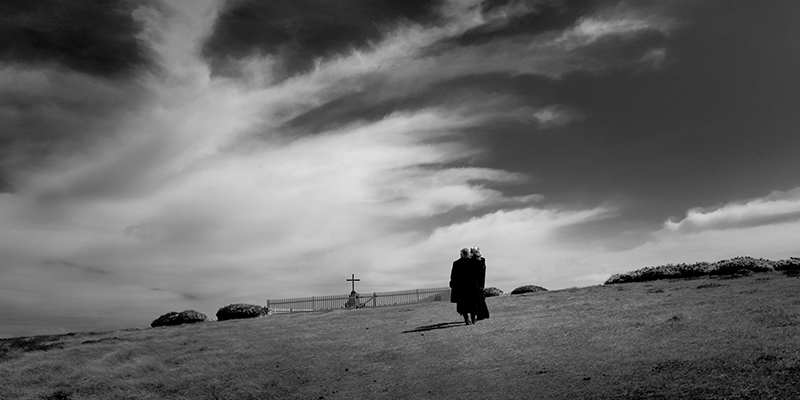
(700, 338)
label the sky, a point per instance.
(164, 155)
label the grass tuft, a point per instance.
(710, 285)
(58, 395)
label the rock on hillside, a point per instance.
(528, 289)
(492, 292)
(240, 311)
(178, 318)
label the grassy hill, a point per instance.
(707, 337)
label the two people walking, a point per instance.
(467, 280)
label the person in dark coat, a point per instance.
(465, 292)
(479, 271)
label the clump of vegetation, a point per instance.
(790, 264)
(737, 266)
(179, 318)
(739, 274)
(710, 285)
(241, 311)
(792, 273)
(10, 348)
(58, 395)
(491, 292)
(734, 265)
(528, 289)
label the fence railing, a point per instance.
(377, 299)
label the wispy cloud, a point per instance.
(553, 116)
(654, 58)
(776, 208)
(194, 184)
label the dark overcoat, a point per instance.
(462, 282)
(479, 272)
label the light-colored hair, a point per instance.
(475, 251)
(464, 252)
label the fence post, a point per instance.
(313, 303)
(417, 295)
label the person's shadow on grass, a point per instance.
(443, 325)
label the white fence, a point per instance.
(377, 299)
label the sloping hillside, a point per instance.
(700, 338)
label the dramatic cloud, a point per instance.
(89, 38)
(205, 152)
(300, 33)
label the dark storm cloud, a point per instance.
(68, 70)
(300, 31)
(95, 37)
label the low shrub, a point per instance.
(12, 348)
(791, 264)
(173, 318)
(492, 292)
(528, 289)
(662, 272)
(241, 311)
(734, 267)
